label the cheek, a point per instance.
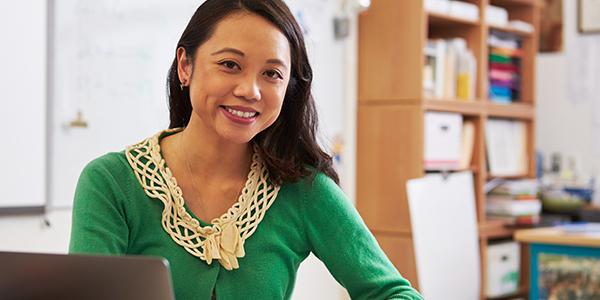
(277, 99)
(208, 90)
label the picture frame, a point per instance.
(588, 15)
(555, 268)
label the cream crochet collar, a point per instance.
(224, 238)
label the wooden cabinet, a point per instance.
(392, 104)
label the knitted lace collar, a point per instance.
(224, 238)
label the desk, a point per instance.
(564, 261)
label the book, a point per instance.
(504, 72)
(450, 70)
(508, 207)
(517, 220)
(516, 188)
(429, 71)
(467, 144)
(466, 77)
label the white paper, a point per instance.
(445, 237)
(506, 147)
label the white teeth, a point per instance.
(241, 114)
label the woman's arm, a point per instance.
(98, 224)
(342, 241)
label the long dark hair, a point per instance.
(289, 147)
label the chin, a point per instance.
(238, 138)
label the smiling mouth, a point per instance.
(241, 114)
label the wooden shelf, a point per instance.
(437, 19)
(455, 106)
(392, 103)
(523, 176)
(509, 3)
(521, 111)
(521, 33)
(495, 229)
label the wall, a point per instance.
(568, 99)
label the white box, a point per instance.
(495, 15)
(443, 134)
(464, 10)
(438, 6)
(503, 262)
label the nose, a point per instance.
(248, 88)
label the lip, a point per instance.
(236, 119)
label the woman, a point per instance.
(237, 193)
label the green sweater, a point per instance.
(113, 215)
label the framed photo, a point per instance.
(588, 13)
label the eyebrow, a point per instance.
(231, 50)
(277, 62)
(240, 53)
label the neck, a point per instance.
(209, 157)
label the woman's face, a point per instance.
(239, 77)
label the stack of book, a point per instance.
(516, 202)
(450, 70)
(504, 67)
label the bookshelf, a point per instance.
(392, 104)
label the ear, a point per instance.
(184, 67)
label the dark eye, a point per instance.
(273, 74)
(232, 65)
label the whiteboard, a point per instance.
(110, 61)
(23, 103)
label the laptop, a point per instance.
(32, 276)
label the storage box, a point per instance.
(464, 10)
(503, 262)
(443, 133)
(497, 16)
(438, 6)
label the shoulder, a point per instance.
(110, 170)
(319, 188)
(316, 182)
(112, 163)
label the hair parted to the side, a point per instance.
(289, 147)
